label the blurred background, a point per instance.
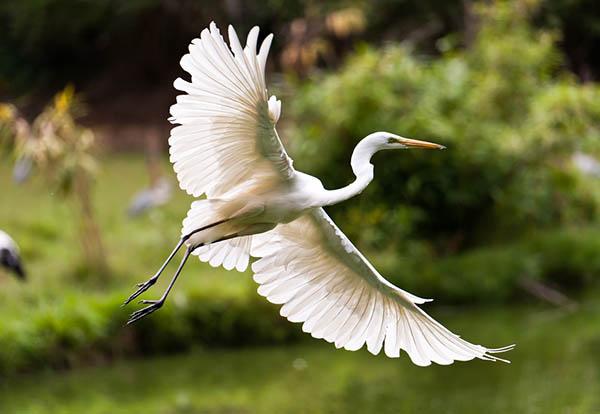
(502, 229)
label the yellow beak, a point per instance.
(415, 143)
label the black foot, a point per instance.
(142, 287)
(139, 314)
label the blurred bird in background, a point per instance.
(9, 256)
(22, 169)
(155, 196)
(160, 190)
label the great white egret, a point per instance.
(9, 255)
(257, 204)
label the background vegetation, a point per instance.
(501, 229)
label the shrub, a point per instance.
(510, 124)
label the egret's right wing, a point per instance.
(322, 280)
(226, 137)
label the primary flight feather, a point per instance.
(257, 205)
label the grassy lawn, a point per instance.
(551, 372)
(45, 227)
(63, 314)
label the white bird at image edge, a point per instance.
(257, 205)
(9, 256)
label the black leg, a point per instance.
(142, 287)
(156, 304)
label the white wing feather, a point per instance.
(322, 280)
(226, 138)
(229, 254)
(226, 135)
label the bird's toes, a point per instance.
(139, 314)
(147, 283)
(142, 287)
(158, 303)
(132, 297)
(136, 316)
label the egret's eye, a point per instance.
(392, 140)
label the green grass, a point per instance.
(44, 227)
(64, 317)
(555, 369)
(46, 230)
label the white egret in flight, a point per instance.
(226, 147)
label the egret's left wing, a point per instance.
(322, 280)
(226, 138)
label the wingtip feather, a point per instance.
(264, 52)
(252, 38)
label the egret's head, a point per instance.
(377, 141)
(386, 140)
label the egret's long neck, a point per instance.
(363, 170)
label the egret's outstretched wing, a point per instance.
(322, 280)
(226, 135)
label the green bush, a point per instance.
(566, 259)
(508, 112)
(82, 329)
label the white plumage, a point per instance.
(9, 255)
(226, 147)
(226, 135)
(322, 280)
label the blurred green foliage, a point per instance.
(509, 114)
(60, 319)
(567, 259)
(554, 370)
(85, 329)
(63, 151)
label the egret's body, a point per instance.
(270, 203)
(265, 208)
(226, 147)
